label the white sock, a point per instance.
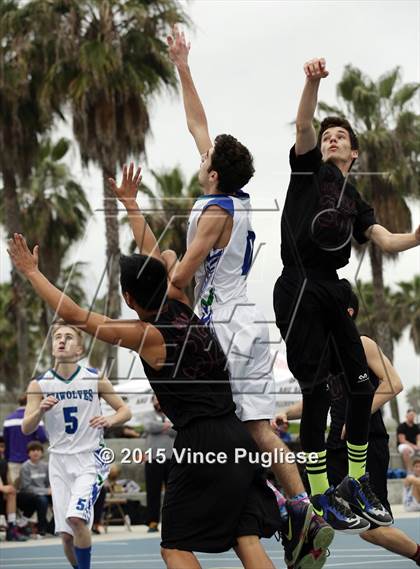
(11, 518)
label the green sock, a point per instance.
(316, 470)
(357, 456)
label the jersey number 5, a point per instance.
(70, 420)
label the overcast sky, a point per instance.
(246, 58)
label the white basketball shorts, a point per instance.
(244, 337)
(76, 480)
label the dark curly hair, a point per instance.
(233, 163)
(330, 122)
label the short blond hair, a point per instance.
(61, 323)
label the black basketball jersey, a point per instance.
(194, 380)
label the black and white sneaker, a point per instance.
(360, 497)
(337, 514)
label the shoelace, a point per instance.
(369, 494)
(340, 506)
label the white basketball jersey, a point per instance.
(221, 279)
(67, 423)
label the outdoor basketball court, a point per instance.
(137, 549)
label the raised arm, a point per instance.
(315, 70)
(126, 193)
(194, 110)
(132, 334)
(392, 242)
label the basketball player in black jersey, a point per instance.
(387, 386)
(213, 501)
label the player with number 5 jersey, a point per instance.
(67, 399)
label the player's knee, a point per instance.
(76, 523)
(260, 430)
(66, 538)
(169, 556)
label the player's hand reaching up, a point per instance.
(24, 261)
(126, 193)
(178, 48)
(315, 69)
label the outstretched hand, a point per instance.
(24, 261)
(178, 48)
(417, 234)
(126, 193)
(315, 69)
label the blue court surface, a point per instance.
(135, 549)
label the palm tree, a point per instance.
(389, 133)
(54, 213)
(55, 207)
(170, 206)
(413, 399)
(22, 119)
(111, 62)
(405, 309)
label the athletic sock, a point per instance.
(416, 556)
(83, 557)
(357, 456)
(316, 470)
(302, 497)
(11, 519)
(281, 500)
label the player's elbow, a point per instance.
(398, 387)
(179, 281)
(26, 428)
(381, 237)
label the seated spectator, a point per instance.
(411, 499)
(16, 441)
(8, 498)
(408, 439)
(35, 491)
(160, 439)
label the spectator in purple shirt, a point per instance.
(16, 442)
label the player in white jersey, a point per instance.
(67, 399)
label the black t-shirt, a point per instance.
(322, 212)
(194, 382)
(338, 412)
(409, 432)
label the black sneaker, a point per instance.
(360, 497)
(315, 550)
(294, 532)
(337, 514)
(13, 534)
